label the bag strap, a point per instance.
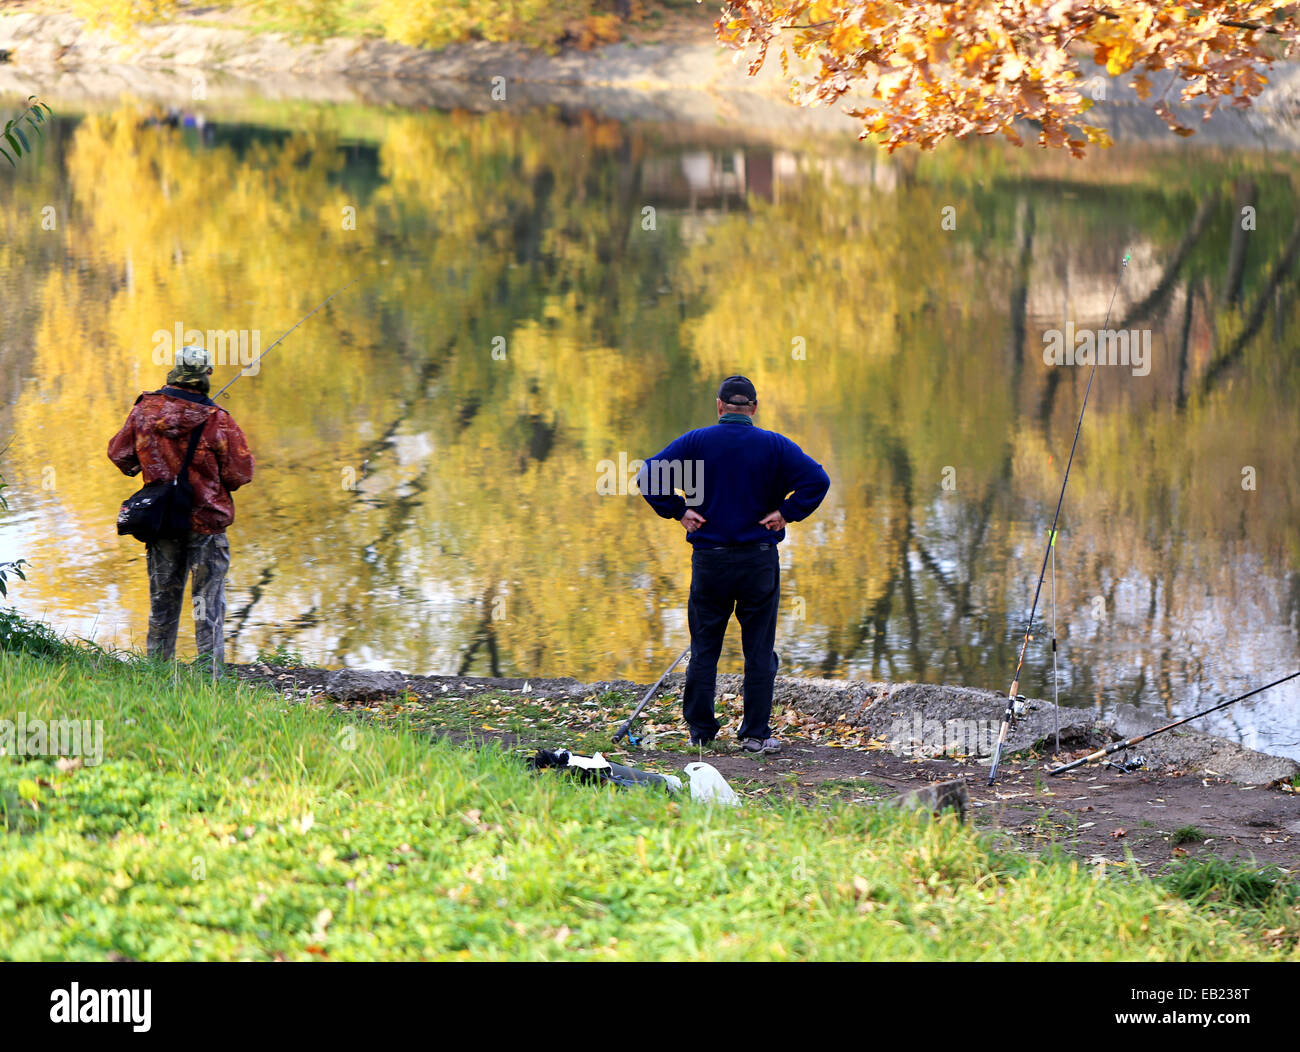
(176, 392)
(197, 397)
(195, 435)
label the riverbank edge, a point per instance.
(183, 66)
(44, 41)
(184, 63)
(906, 714)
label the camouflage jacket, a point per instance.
(156, 435)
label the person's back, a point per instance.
(741, 485)
(734, 473)
(153, 442)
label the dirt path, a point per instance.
(1101, 814)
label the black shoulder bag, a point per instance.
(161, 510)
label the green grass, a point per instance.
(585, 725)
(282, 656)
(854, 788)
(227, 823)
(30, 637)
(1188, 835)
(1221, 884)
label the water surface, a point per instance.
(540, 293)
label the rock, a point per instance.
(1206, 755)
(354, 684)
(941, 796)
(928, 719)
(1201, 754)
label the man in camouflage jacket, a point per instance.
(154, 440)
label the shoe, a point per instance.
(761, 746)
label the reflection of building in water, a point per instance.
(702, 184)
(713, 176)
(1067, 284)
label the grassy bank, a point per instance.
(227, 823)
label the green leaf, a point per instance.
(18, 150)
(22, 136)
(7, 157)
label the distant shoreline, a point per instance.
(56, 56)
(679, 80)
(50, 41)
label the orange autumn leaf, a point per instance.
(916, 72)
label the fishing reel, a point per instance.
(1125, 765)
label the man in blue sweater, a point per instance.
(741, 485)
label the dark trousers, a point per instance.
(748, 581)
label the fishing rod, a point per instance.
(1056, 675)
(1117, 746)
(627, 725)
(286, 333)
(1010, 712)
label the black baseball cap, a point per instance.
(737, 390)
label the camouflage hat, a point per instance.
(193, 364)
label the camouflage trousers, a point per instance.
(205, 557)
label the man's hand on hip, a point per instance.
(693, 520)
(773, 521)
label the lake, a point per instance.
(541, 295)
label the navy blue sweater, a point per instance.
(733, 474)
